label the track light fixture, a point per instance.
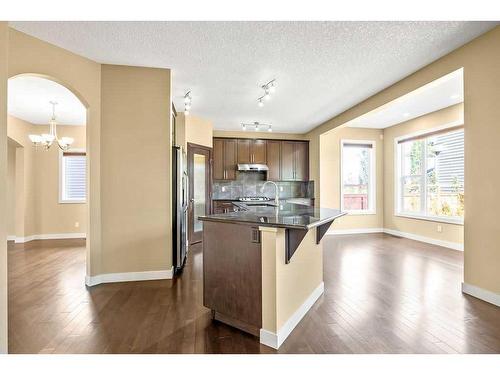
(269, 88)
(187, 102)
(256, 126)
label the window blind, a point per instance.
(73, 178)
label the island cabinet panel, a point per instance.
(273, 160)
(251, 151)
(232, 274)
(224, 156)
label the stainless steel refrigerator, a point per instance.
(180, 207)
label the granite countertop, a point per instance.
(287, 215)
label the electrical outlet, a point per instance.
(439, 228)
(281, 188)
(77, 224)
(223, 189)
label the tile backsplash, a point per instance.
(250, 183)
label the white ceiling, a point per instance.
(436, 95)
(29, 97)
(321, 68)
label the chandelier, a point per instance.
(46, 140)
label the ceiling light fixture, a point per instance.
(269, 88)
(256, 126)
(187, 102)
(406, 114)
(47, 139)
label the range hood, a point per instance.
(253, 167)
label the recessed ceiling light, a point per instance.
(406, 114)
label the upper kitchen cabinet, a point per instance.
(251, 151)
(294, 161)
(224, 156)
(286, 160)
(273, 151)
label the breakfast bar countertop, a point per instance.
(286, 215)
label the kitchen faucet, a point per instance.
(276, 196)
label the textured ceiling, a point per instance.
(436, 95)
(29, 97)
(321, 68)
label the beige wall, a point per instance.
(193, 129)
(4, 45)
(450, 232)
(39, 207)
(479, 58)
(330, 152)
(28, 55)
(11, 188)
(136, 169)
(285, 287)
(199, 131)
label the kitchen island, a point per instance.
(263, 266)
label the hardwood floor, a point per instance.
(382, 295)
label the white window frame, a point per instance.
(397, 178)
(61, 179)
(372, 184)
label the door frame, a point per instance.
(191, 150)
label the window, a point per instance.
(72, 186)
(358, 177)
(430, 170)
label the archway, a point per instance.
(40, 84)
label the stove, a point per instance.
(254, 199)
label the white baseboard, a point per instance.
(411, 236)
(274, 340)
(11, 238)
(51, 236)
(129, 276)
(334, 232)
(433, 241)
(481, 293)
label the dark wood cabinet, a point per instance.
(223, 207)
(273, 160)
(225, 151)
(294, 161)
(232, 280)
(287, 160)
(259, 152)
(218, 159)
(301, 161)
(244, 156)
(251, 151)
